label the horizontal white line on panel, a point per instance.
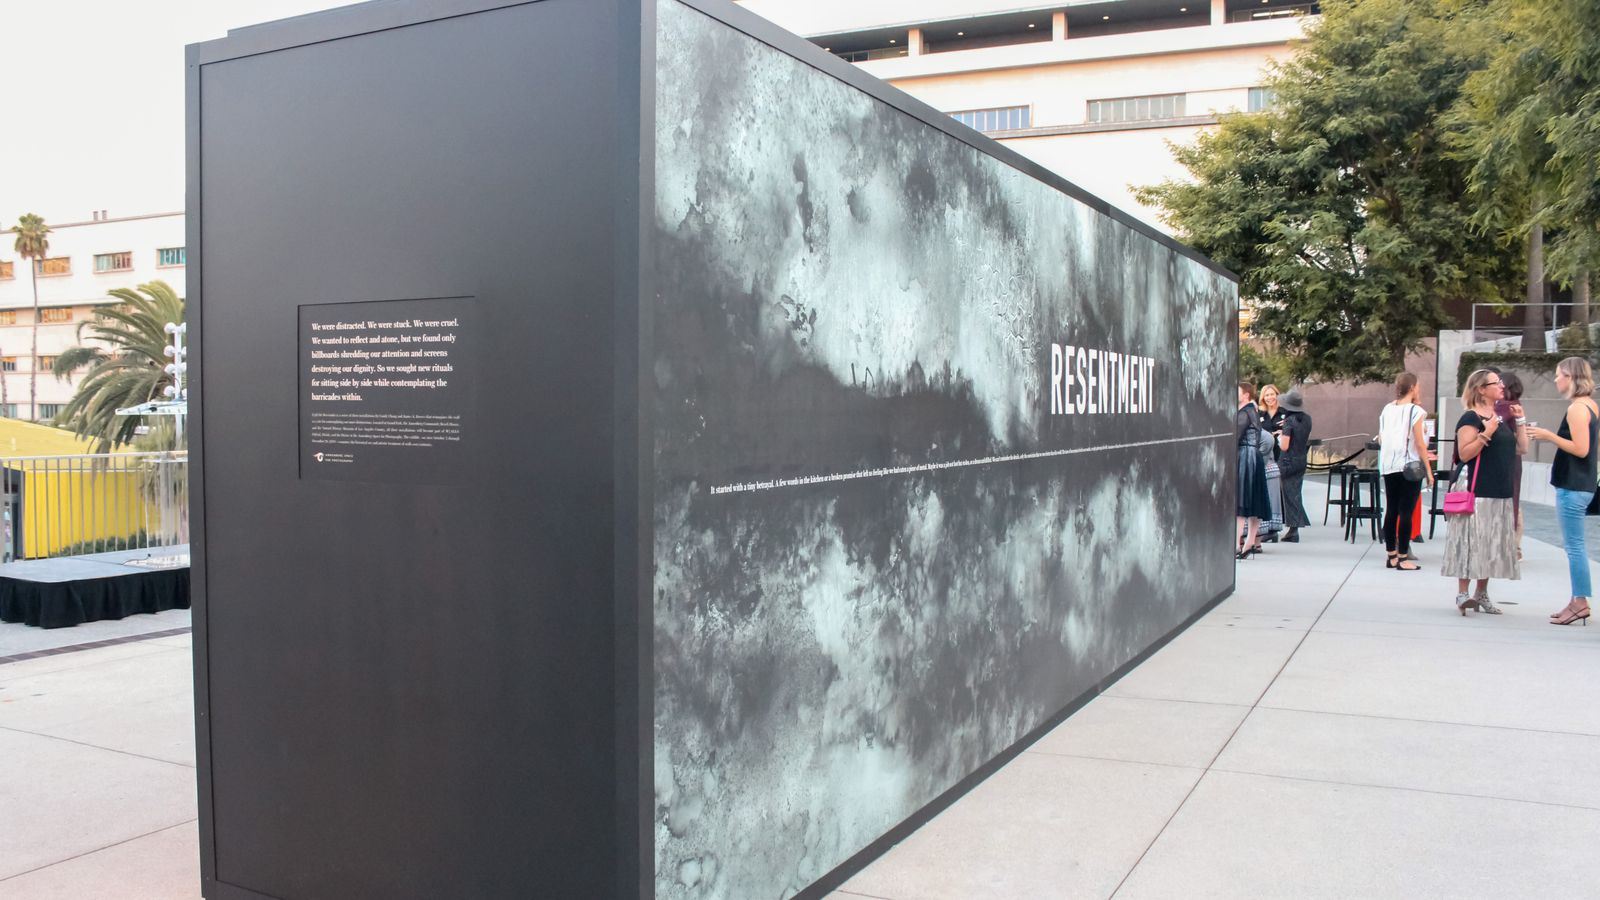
(802, 480)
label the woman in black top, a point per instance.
(1251, 505)
(1483, 544)
(1573, 474)
(1296, 443)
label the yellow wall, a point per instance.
(93, 505)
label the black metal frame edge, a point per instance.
(194, 313)
(800, 49)
(338, 23)
(868, 854)
(634, 437)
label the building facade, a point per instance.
(86, 260)
(1097, 91)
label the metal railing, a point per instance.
(92, 503)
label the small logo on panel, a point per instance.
(318, 457)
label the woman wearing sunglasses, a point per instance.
(1482, 544)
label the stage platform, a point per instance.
(70, 590)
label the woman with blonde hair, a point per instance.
(1481, 543)
(1403, 460)
(1271, 442)
(1573, 474)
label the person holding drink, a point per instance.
(1573, 474)
(1481, 543)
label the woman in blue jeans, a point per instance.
(1573, 475)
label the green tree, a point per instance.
(1339, 207)
(129, 368)
(32, 244)
(1528, 125)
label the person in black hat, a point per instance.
(1296, 443)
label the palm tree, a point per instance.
(129, 367)
(32, 244)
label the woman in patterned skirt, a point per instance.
(1251, 504)
(1483, 544)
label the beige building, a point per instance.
(1095, 91)
(85, 261)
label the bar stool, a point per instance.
(1343, 471)
(1370, 509)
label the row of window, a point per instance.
(46, 410)
(166, 258)
(48, 315)
(1004, 118)
(9, 364)
(1151, 108)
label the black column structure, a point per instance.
(639, 455)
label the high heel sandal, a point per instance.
(1571, 614)
(1464, 603)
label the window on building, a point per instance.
(1256, 14)
(8, 317)
(171, 256)
(7, 271)
(8, 363)
(8, 410)
(1262, 98)
(1137, 109)
(1001, 118)
(49, 410)
(46, 363)
(857, 56)
(56, 265)
(113, 262)
(55, 314)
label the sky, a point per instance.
(99, 122)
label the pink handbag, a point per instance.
(1461, 503)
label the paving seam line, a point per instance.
(1399, 787)
(56, 737)
(97, 850)
(1235, 732)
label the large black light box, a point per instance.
(638, 455)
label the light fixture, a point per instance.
(1183, 9)
(961, 34)
(1030, 24)
(1105, 18)
(891, 40)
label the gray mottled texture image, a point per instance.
(879, 559)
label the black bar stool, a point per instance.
(1364, 483)
(1343, 472)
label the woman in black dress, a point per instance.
(1251, 503)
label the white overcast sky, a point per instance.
(91, 94)
(91, 99)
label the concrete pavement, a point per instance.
(1333, 730)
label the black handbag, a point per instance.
(1416, 470)
(1594, 505)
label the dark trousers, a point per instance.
(1400, 497)
(1293, 471)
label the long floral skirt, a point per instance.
(1484, 544)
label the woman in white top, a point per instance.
(1403, 460)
